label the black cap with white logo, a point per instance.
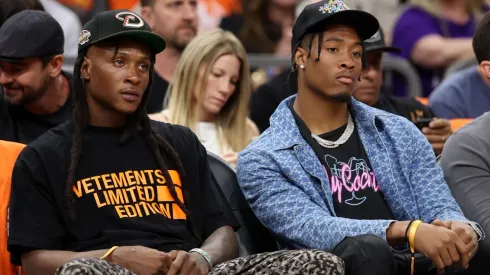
(330, 12)
(119, 23)
(377, 43)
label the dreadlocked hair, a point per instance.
(139, 118)
(307, 43)
(80, 117)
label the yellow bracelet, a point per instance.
(109, 252)
(411, 241)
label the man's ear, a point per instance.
(147, 14)
(85, 69)
(54, 66)
(300, 57)
(485, 68)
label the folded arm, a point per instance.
(435, 51)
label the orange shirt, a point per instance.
(8, 155)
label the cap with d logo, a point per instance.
(119, 23)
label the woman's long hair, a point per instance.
(259, 34)
(139, 119)
(201, 54)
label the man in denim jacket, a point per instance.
(332, 173)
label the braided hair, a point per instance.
(139, 118)
(307, 43)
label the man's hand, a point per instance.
(465, 232)
(441, 245)
(437, 133)
(141, 260)
(186, 263)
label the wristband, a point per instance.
(406, 231)
(411, 240)
(205, 255)
(109, 252)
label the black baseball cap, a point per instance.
(119, 23)
(30, 33)
(377, 43)
(330, 12)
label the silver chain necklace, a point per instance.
(342, 139)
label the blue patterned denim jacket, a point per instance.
(287, 188)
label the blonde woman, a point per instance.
(435, 33)
(210, 94)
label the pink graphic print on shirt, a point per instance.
(353, 177)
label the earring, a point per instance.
(302, 66)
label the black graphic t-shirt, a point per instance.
(121, 195)
(355, 190)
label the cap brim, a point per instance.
(154, 41)
(383, 49)
(364, 23)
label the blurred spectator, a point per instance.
(9, 8)
(368, 91)
(265, 26)
(266, 21)
(70, 23)
(211, 93)
(269, 95)
(177, 23)
(212, 11)
(386, 11)
(466, 165)
(433, 34)
(466, 94)
(36, 92)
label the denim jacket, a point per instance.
(288, 190)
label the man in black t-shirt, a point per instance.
(111, 192)
(368, 91)
(34, 92)
(177, 22)
(332, 173)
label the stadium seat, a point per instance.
(423, 100)
(252, 236)
(457, 123)
(9, 152)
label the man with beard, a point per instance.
(334, 174)
(176, 21)
(34, 91)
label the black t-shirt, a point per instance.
(157, 95)
(409, 108)
(121, 195)
(19, 125)
(355, 190)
